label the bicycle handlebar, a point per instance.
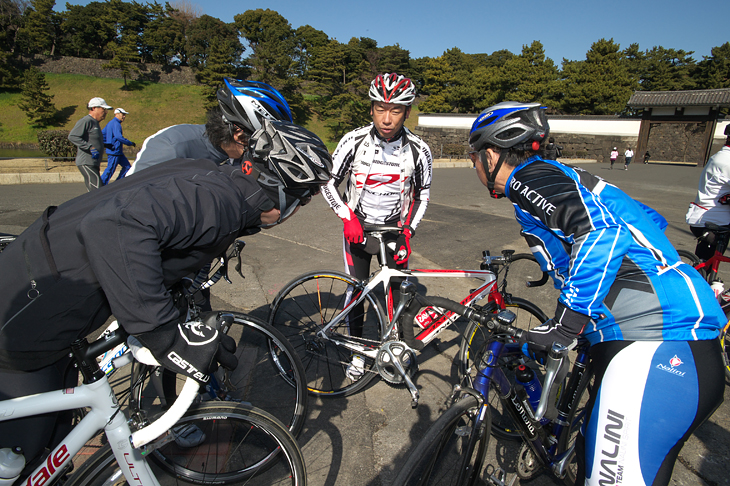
(372, 228)
(556, 368)
(509, 257)
(492, 322)
(189, 392)
(147, 434)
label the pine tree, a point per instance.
(218, 65)
(125, 54)
(38, 106)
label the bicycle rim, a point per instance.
(301, 310)
(235, 443)
(452, 451)
(473, 345)
(260, 435)
(725, 344)
(269, 374)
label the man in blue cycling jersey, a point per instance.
(652, 321)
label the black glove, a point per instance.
(724, 199)
(134, 144)
(562, 329)
(193, 348)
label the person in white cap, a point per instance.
(87, 137)
(114, 141)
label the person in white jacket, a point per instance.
(712, 204)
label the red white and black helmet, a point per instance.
(393, 88)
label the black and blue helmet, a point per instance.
(510, 125)
(247, 104)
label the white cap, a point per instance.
(94, 102)
(121, 110)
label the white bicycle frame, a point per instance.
(105, 414)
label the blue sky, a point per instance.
(566, 28)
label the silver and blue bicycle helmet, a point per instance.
(291, 164)
(247, 104)
(507, 125)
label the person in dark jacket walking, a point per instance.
(87, 137)
(114, 142)
(119, 250)
(553, 151)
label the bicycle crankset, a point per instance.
(393, 352)
(528, 465)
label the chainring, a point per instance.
(528, 464)
(388, 353)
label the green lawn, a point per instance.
(151, 107)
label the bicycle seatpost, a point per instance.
(407, 292)
(556, 369)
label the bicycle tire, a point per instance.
(473, 343)
(272, 456)
(300, 309)
(269, 376)
(575, 422)
(453, 449)
(725, 344)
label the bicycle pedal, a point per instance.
(499, 478)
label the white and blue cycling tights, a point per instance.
(648, 398)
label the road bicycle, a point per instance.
(710, 270)
(239, 442)
(453, 450)
(331, 316)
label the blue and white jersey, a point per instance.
(608, 256)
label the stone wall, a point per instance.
(677, 142)
(92, 67)
(452, 142)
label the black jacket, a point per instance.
(118, 250)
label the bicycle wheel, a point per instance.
(452, 451)
(575, 419)
(269, 374)
(473, 345)
(688, 257)
(725, 344)
(305, 306)
(242, 445)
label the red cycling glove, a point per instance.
(353, 229)
(403, 246)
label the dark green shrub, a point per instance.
(55, 143)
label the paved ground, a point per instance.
(364, 439)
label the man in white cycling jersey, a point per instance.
(387, 171)
(712, 203)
